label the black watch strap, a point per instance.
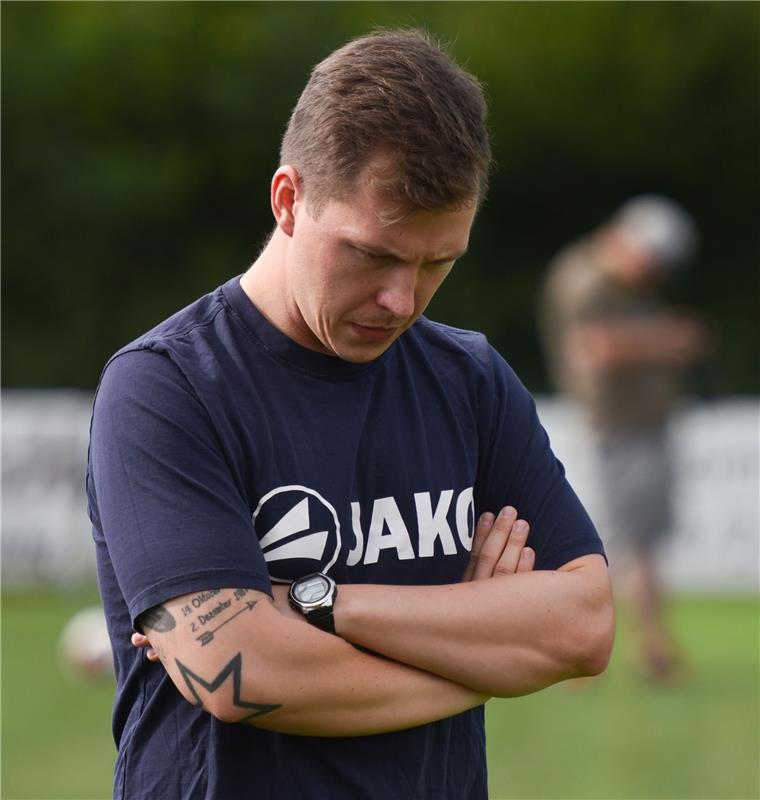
(323, 619)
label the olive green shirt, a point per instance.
(577, 290)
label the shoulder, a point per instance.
(470, 348)
(153, 367)
(464, 358)
(447, 343)
(571, 263)
(190, 322)
(573, 277)
(178, 346)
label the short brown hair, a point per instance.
(398, 93)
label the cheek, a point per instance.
(343, 283)
(331, 289)
(312, 277)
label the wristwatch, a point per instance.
(314, 596)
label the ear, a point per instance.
(286, 195)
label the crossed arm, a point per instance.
(670, 339)
(436, 650)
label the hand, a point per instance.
(139, 640)
(498, 547)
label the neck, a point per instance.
(265, 281)
(266, 285)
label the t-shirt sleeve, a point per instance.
(161, 491)
(517, 467)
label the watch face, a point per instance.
(311, 590)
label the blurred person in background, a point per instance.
(306, 493)
(622, 355)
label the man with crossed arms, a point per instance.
(304, 492)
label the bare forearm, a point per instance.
(505, 636)
(666, 340)
(337, 690)
(279, 673)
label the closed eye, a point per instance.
(368, 254)
(372, 255)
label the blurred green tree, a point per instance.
(139, 141)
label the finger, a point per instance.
(494, 545)
(510, 557)
(527, 560)
(139, 640)
(482, 529)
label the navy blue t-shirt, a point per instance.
(223, 454)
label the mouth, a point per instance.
(375, 333)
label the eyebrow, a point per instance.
(382, 252)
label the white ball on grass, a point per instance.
(84, 646)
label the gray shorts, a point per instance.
(635, 478)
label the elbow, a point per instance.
(596, 659)
(594, 644)
(593, 631)
(243, 705)
(225, 712)
(222, 708)
(231, 714)
(241, 711)
(233, 694)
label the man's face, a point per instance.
(354, 285)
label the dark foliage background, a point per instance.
(139, 140)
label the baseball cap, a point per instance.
(661, 226)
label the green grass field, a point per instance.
(616, 738)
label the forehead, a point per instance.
(361, 219)
(369, 209)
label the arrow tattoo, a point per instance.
(208, 636)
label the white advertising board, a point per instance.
(714, 544)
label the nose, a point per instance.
(397, 295)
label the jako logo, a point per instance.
(300, 532)
(298, 527)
